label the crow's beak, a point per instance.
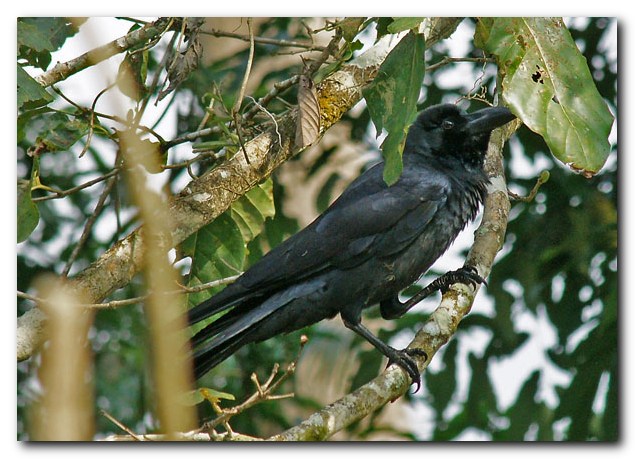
(488, 119)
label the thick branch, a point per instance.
(211, 194)
(439, 328)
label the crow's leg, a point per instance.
(393, 308)
(352, 320)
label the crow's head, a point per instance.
(445, 131)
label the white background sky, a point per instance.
(327, 7)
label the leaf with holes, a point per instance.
(548, 85)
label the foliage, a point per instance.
(553, 288)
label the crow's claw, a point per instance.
(467, 275)
(404, 359)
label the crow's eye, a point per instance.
(447, 125)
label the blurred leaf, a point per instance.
(401, 24)
(610, 417)
(28, 213)
(481, 399)
(218, 250)
(442, 385)
(148, 153)
(350, 27)
(131, 77)
(201, 394)
(392, 98)
(548, 85)
(31, 94)
(525, 403)
(308, 121)
(59, 132)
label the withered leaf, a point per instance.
(308, 124)
(186, 62)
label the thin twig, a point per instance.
(208, 285)
(264, 40)
(250, 59)
(450, 60)
(91, 127)
(61, 193)
(140, 299)
(105, 115)
(89, 225)
(543, 178)
(262, 102)
(263, 393)
(119, 424)
(330, 50)
(275, 123)
(243, 88)
(272, 94)
(192, 136)
(200, 157)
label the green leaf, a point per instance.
(442, 385)
(392, 98)
(392, 148)
(350, 27)
(31, 94)
(381, 26)
(548, 85)
(60, 132)
(33, 37)
(252, 209)
(401, 24)
(39, 36)
(519, 422)
(201, 394)
(218, 250)
(28, 213)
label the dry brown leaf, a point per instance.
(308, 123)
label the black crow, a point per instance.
(371, 243)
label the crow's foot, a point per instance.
(404, 359)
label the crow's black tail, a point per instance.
(241, 325)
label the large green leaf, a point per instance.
(548, 85)
(392, 98)
(219, 250)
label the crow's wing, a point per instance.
(369, 220)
